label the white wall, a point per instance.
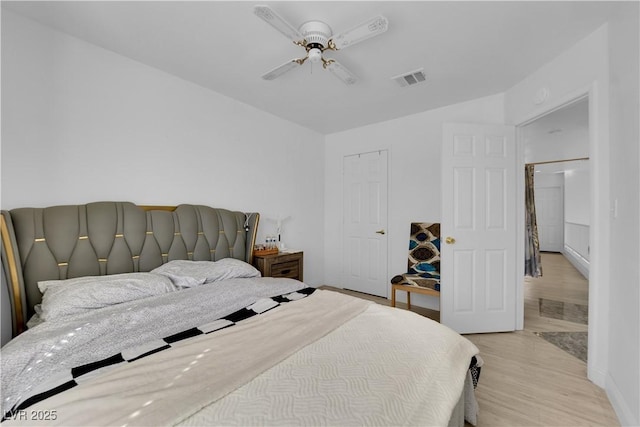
(80, 124)
(549, 180)
(577, 196)
(623, 380)
(414, 145)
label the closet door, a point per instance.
(365, 223)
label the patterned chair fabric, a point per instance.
(424, 257)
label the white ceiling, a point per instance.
(570, 121)
(467, 49)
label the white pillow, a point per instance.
(82, 294)
(188, 274)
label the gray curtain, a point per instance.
(532, 262)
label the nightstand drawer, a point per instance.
(285, 269)
(287, 265)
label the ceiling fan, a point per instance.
(316, 37)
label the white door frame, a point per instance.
(599, 230)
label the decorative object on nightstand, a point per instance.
(270, 247)
(261, 252)
(283, 264)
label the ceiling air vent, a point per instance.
(411, 78)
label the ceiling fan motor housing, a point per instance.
(316, 33)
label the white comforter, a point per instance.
(327, 359)
(384, 367)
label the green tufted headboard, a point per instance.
(100, 238)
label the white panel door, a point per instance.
(478, 227)
(550, 218)
(365, 223)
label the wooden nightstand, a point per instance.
(280, 265)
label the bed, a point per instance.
(132, 315)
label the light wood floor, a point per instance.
(526, 381)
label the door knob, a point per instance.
(449, 240)
(380, 232)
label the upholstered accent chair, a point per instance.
(423, 271)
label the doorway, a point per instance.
(556, 304)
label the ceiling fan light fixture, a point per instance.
(315, 55)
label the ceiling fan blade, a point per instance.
(341, 72)
(281, 69)
(276, 21)
(366, 30)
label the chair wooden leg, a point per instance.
(393, 296)
(408, 300)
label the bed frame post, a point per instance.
(13, 273)
(251, 235)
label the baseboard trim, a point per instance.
(577, 260)
(620, 406)
(597, 376)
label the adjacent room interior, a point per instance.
(557, 145)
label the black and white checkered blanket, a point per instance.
(74, 376)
